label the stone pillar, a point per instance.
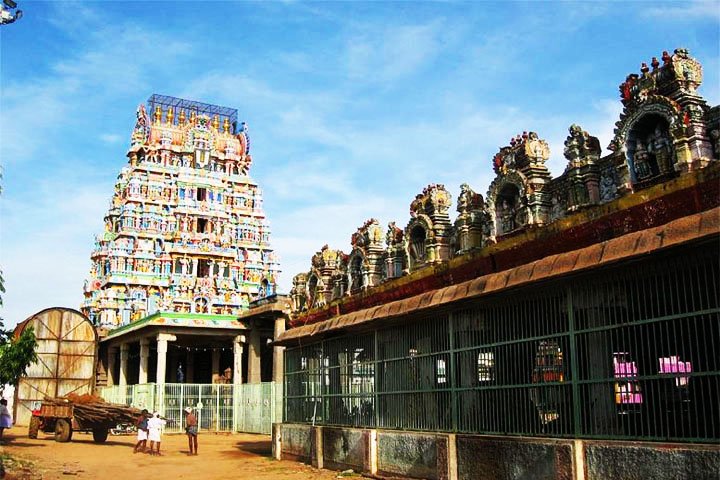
(278, 352)
(111, 354)
(162, 346)
(189, 367)
(237, 359)
(254, 356)
(144, 355)
(124, 351)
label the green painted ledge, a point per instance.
(150, 318)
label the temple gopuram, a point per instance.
(556, 327)
(184, 253)
(186, 230)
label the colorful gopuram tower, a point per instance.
(185, 231)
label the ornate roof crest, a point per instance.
(434, 199)
(370, 234)
(678, 72)
(328, 258)
(524, 150)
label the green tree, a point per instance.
(16, 354)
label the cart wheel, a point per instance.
(34, 427)
(100, 434)
(63, 430)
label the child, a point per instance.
(142, 428)
(5, 417)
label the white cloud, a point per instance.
(46, 242)
(390, 53)
(683, 11)
(111, 137)
(107, 68)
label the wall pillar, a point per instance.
(254, 356)
(144, 355)
(277, 441)
(317, 455)
(124, 354)
(237, 359)
(452, 464)
(579, 459)
(162, 346)
(278, 352)
(373, 452)
(111, 354)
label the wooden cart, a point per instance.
(62, 418)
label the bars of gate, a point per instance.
(625, 352)
(248, 408)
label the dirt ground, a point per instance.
(220, 457)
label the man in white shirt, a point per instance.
(155, 425)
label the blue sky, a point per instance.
(353, 107)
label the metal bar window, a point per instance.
(628, 352)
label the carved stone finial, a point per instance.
(580, 147)
(468, 200)
(394, 235)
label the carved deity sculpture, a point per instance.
(658, 144)
(507, 217)
(556, 211)
(641, 161)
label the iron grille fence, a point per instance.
(627, 352)
(248, 407)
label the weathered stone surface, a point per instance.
(297, 440)
(659, 462)
(409, 454)
(344, 448)
(499, 459)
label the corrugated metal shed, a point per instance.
(67, 358)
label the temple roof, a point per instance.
(700, 226)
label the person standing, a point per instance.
(191, 428)
(5, 418)
(142, 431)
(155, 425)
